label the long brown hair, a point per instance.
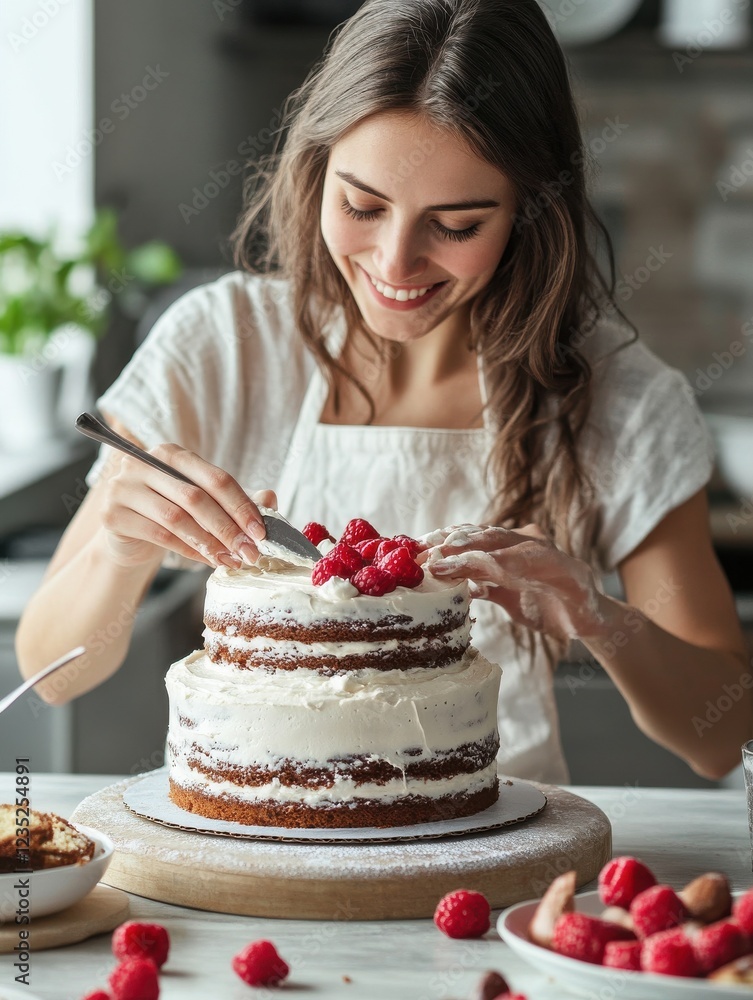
(491, 73)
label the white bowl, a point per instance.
(585, 979)
(55, 889)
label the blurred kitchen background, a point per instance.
(150, 110)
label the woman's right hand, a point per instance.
(145, 511)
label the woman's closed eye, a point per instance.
(368, 215)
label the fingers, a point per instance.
(131, 529)
(265, 498)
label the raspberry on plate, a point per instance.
(356, 530)
(621, 879)
(463, 914)
(259, 964)
(623, 955)
(576, 935)
(316, 533)
(373, 581)
(399, 563)
(669, 953)
(134, 979)
(348, 555)
(657, 909)
(327, 567)
(718, 944)
(139, 940)
(367, 548)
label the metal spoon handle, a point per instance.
(95, 429)
(73, 654)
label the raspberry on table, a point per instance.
(316, 533)
(367, 548)
(399, 563)
(356, 530)
(326, 568)
(373, 581)
(669, 953)
(348, 555)
(657, 909)
(259, 964)
(623, 955)
(576, 935)
(134, 939)
(621, 879)
(742, 911)
(463, 914)
(134, 979)
(717, 944)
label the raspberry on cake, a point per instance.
(334, 698)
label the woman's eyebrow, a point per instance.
(458, 206)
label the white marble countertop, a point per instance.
(679, 833)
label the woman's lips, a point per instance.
(393, 303)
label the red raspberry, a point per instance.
(718, 943)
(136, 940)
(316, 533)
(386, 545)
(576, 935)
(357, 530)
(623, 955)
(134, 979)
(326, 568)
(463, 914)
(669, 953)
(97, 995)
(258, 964)
(348, 555)
(411, 544)
(621, 879)
(657, 909)
(373, 581)
(743, 911)
(367, 548)
(399, 563)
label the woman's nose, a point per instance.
(398, 255)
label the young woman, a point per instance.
(419, 335)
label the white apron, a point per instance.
(410, 480)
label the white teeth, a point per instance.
(399, 294)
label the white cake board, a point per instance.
(518, 801)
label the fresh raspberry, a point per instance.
(386, 545)
(348, 555)
(669, 953)
(623, 955)
(743, 911)
(316, 533)
(463, 914)
(621, 879)
(373, 581)
(326, 568)
(97, 995)
(576, 935)
(411, 544)
(134, 979)
(357, 530)
(258, 964)
(657, 909)
(367, 548)
(136, 940)
(719, 943)
(399, 563)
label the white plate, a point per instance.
(587, 980)
(518, 801)
(55, 889)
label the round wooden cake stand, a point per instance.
(347, 881)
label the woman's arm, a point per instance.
(675, 650)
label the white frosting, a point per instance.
(254, 716)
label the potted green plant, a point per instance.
(53, 306)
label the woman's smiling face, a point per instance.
(415, 222)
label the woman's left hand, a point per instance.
(538, 585)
